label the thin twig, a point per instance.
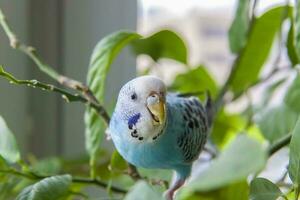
(262, 80)
(43, 86)
(220, 97)
(68, 82)
(86, 93)
(34, 176)
(285, 140)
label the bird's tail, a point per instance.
(209, 108)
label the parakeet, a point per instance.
(152, 128)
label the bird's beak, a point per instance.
(156, 106)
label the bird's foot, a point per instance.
(169, 194)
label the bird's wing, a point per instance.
(196, 127)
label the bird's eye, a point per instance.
(134, 96)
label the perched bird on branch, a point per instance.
(152, 128)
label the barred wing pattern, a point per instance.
(194, 137)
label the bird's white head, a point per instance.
(142, 106)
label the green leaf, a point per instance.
(239, 27)
(290, 44)
(195, 80)
(229, 192)
(8, 187)
(275, 122)
(117, 163)
(230, 167)
(103, 55)
(163, 44)
(225, 127)
(8, 145)
(294, 163)
(263, 189)
(297, 28)
(55, 187)
(292, 97)
(259, 43)
(47, 166)
(142, 190)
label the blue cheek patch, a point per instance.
(133, 120)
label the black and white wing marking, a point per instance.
(194, 137)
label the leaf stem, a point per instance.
(285, 140)
(220, 97)
(80, 180)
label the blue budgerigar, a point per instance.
(155, 129)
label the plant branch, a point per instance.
(34, 176)
(220, 97)
(37, 84)
(87, 95)
(285, 140)
(63, 80)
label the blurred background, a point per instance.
(65, 33)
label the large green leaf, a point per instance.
(142, 190)
(275, 122)
(239, 27)
(52, 188)
(103, 55)
(263, 189)
(257, 49)
(229, 192)
(8, 145)
(294, 163)
(297, 27)
(195, 80)
(230, 167)
(292, 97)
(163, 44)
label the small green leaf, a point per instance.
(142, 190)
(103, 55)
(163, 44)
(8, 145)
(292, 97)
(294, 163)
(117, 163)
(230, 167)
(275, 122)
(297, 27)
(290, 44)
(239, 27)
(195, 80)
(48, 166)
(52, 188)
(259, 43)
(263, 189)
